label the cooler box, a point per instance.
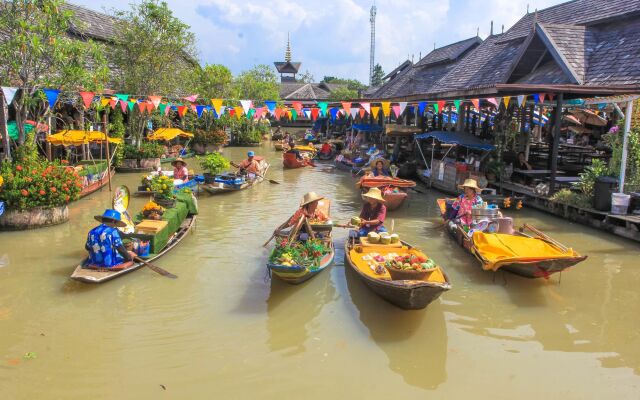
(150, 226)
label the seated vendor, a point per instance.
(180, 171)
(373, 213)
(309, 209)
(293, 150)
(104, 244)
(326, 148)
(250, 166)
(465, 202)
(380, 167)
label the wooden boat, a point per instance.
(290, 161)
(407, 294)
(194, 184)
(96, 185)
(530, 256)
(83, 273)
(220, 187)
(172, 159)
(125, 170)
(393, 199)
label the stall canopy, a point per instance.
(12, 127)
(367, 127)
(168, 134)
(459, 138)
(77, 138)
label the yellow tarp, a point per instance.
(363, 265)
(168, 134)
(305, 148)
(77, 138)
(497, 249)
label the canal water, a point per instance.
(224, 330)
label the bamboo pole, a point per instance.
(106, 134)
(625, 142)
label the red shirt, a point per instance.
(378, 212)
(181, 173)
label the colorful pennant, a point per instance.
(366, 107)
(421, 106)
(396, 110)
(476, 103)
(155, 100)
(346, 106)
(386, 108)
(9, 93)
(246, 105)
(375, 111)
(52, 96)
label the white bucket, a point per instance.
(619, 203)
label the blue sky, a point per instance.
(331, 37)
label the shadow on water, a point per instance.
(415, 341)
(292, 308)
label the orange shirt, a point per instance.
(250, 166)
(319, 215)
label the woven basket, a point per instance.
(407, 275)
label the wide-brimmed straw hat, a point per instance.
(111, 216)
(177, 160)
(470, 183)
(385, 163)
(310, 198)
(375, 194)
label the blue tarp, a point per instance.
(367, 127)
(459, 138)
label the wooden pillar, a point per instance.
(105, 128)
(449, 124)
(4, 130)
(556, 142)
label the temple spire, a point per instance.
(287, 53)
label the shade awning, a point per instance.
(77, 138)
(168, 134)
(459, 138)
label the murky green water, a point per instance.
(222, 330)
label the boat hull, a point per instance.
(290, 161)
(296, 274)
(95, 186)
(394, 200)
(172, 159)
(409, 295)
(220, 188)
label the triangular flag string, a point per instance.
(375, 111)
(386, 108)
(9, 93)
(52, 96)
(402, 105)
(246, 105)
(396, 110)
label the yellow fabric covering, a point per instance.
(77, 138)
(497, 249)
(169, 134)
(363, 265)
(305, 148)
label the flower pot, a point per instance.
(166, 203)
(35, 218)
(129, 163)
(153, 163)
(209, 178)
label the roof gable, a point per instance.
(450, 52)
(287, 67)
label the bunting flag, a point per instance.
(536, 98)
(246, 105)
(104, 101)
(294, 114)
(155, 100)
(362, 111)
(163, 108)
(278, 113)
(297, 106)
(375, 110)
(222, 109)
(506, 99)
(232, 112)
(250, 114)
(191, 98)
(123, 106)
(323, 108)
(403, 106)
(131, 103)
(476, 103)
(421, 106)
(182, 110)
(493, 101)
(354, 112)
(334, 113)
(436, 108)
(9, 93)
(217, 103)
(441, 104)
(498, 102)
(238, 112)
(541, 96)
(307, 113)
(551, 96)
(386, 108)
(521, 99)
(346, 106)
(122, 97)
(396, 110)
(366, 107)
(457, 104)
(199, 110)
(271, 106)
(142, 107)
(52, 96)
(113, 103)
(168, 108)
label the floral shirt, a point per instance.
(464, 207)
(102, 243)
(370, 213)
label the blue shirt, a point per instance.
(102, 243)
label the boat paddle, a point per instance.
(258, 175)
(155, 268)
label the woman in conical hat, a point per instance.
(373, 213)
(309, 209)
(379, 167)
(180, 170)
(466, 201)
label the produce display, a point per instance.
(355, 221)
(383, 238)
(410, 262)
(306, 254)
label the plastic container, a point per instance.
(602, 190)
(620, 203)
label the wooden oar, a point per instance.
(155, 268)
(275, 233)
(270, 180)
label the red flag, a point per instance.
(142, 107)
(232, 111)
(441, 104)
(87, 98)
(541, 97)
(278, 113)
(362, 113)
(297, 106)
(476, 103)
(155, 100)
(123, 105)
(314, 113)
(182, 110)
(113, 103)
(347, 107)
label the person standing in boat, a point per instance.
(373, 213)
(250, 166)
(180, 171)
(293, 150)
(466, 201)
(104, 244)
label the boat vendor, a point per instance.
(379, 167)
(250, 166)
(466, 201)
(308, 208)
(104, 244)
(326, 148)
(286, 138)
(373, 213)
(180, 171)
(293, 150)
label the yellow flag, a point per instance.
(506, 101)
(238, 111)
(386, 108)
(375, 110)
(216, 104)
(104, 101)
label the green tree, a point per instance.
(343, 93)
(214, 81)
(378, 74)
(352, 84)
(259, 83)
(37, 52)
(307, 77)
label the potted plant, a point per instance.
(162, 188)
(146, 156)
(207, 141)
(213, 164)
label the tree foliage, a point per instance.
(307, 77)
(352, 84)
(343, 93)
(259, 83)
(214, 81)
(378, 74)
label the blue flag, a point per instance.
(199, 110)
(271, 105)
(52, 96)
(421, 106)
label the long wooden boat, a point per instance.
(530, 256)
(87, 275)
(172, 159)
(393, 199)
(296, 274)
(290, 161)
(126, 170)
(93, 187)
(219, 188)
(407, 294)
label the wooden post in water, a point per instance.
(106, 134)
(4, 129)
(556, 142)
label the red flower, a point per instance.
(19, 167)
(66, 189)
(42, 192)
(66, 198)
(53, 189)
(24, 192)
(65, 161)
